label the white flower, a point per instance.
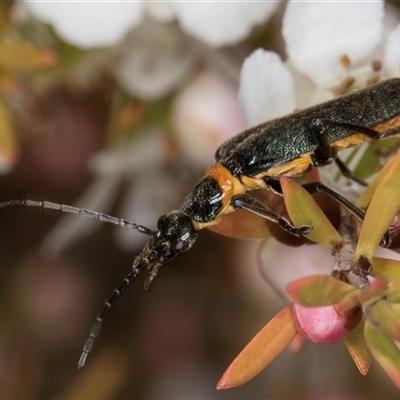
(97, 24)
(319, 34)
(205, 114)
(152, 61)
(266, 88)
(328, 44)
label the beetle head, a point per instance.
(175, 234)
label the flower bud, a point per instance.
(324, 324)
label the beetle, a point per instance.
(255, 158)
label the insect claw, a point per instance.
(82, 360)
(305, 229)
(386, 240)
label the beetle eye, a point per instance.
(179, 246)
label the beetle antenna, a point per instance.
(96, 327)
(76, 210)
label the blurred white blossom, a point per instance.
(204, 115)
(97, 24)
(152, 61)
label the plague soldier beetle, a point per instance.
(256, 158)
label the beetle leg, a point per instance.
(246, 202)
(324, 154)
(316, 187)
(347, 173)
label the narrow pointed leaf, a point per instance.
(303, 210)
(297, 344)
(358, 349)
(393, 294)
(385, 268)
(384, 350)
(375, 289)
(261, 351)
(387, 316)
(376, 223)
(322, 290)
(366, 197)
(8, 142)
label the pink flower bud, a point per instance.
(319, 324)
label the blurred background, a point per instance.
(123, 117)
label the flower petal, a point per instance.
(89, 24)
(319, 34)
(161, 11)
(266, 87)
(205, 114)
(391, 54)
(222, 23)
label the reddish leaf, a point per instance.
(262, 350)
(376, 288)
(242, 225)
(297, 344)
(357, 348)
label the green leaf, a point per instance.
(386, 315)
(8, 143)
(303, 210)
(366, 197)
(393, 293)
(358, 349)
(261, 351)
(376, 223)
(385, 268)
(322, 290)
(384, 350)
(371, 158)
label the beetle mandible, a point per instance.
(256, 158)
